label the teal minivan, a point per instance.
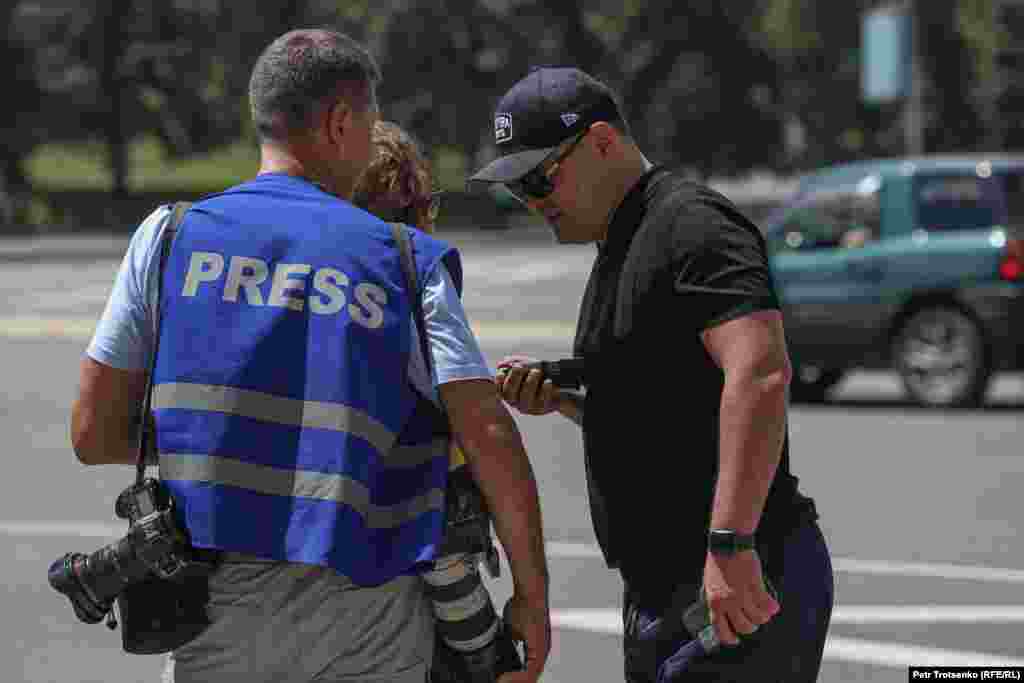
(913, 264)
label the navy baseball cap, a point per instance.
(539, 112)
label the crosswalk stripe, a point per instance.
(846, 565)
(609, 621)
(35, 327)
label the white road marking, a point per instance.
(932, 570)
(523, 332)
(597, 620)
(564, 550)
(609, 621)
(898, 656)
(846, 565)
(60, 528)
(34, 327)
(928, 614)
(520, 273)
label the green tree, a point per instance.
(17, 118)
(955, 121)
(816, 47)
(118, 69)
(447, 62)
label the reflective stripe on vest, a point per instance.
(319, 414)
(275, 481)
(260, 406)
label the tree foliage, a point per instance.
(723, 86)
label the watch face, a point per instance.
(726, 542)
(721, 542)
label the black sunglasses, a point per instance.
(536, 183)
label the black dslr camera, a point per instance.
(567, 373)
(151, 572)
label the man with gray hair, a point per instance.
(297, 430)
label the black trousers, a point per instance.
(788, 649)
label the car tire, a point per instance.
(811, 384)
(942, 357)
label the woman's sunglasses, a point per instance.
(537, 183)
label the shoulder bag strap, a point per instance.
(146, 428)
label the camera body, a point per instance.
(158, 541)
(697, 619)
(567, 373)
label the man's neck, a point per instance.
(633, 169)
(275, 158)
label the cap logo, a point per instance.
(502, 128)
(570, 118)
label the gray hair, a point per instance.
(299, 71)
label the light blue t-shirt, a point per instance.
(125, 333)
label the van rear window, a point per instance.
(955, 203)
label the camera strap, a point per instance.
(465, 507)
(412, 287)
(146, 429)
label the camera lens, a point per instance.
(64, 576)
(93, 582)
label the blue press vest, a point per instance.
(286, 424)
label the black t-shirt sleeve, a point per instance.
(719, 265)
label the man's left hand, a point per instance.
(530, 624)
(736, 595)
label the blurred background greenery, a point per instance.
(124, 98)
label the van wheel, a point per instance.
(811, 384)
(942, 358)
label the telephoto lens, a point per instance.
(93, 582)
(472, 643)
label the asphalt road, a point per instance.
(921, 508)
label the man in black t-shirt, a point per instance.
(684, 416)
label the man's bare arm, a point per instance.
(496, 455)
(751, 351)
(104, 416)
(752, 354)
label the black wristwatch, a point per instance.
(729, 542)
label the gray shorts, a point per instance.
(275, 621)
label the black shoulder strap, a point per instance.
(145, 429)
(412, 287)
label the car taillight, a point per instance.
(1012, 267)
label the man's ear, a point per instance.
(338, 121)
(605, 137)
